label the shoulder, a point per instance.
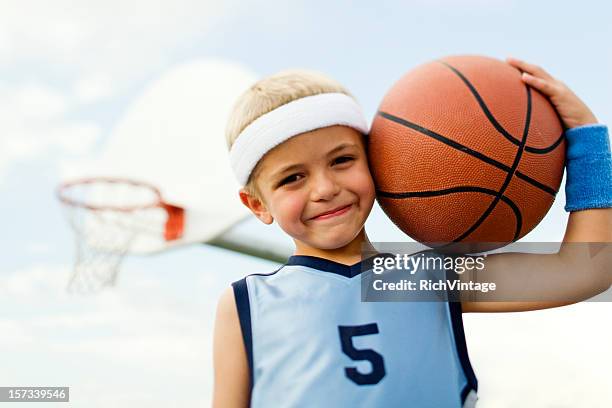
(228, 333)
(227, 321)
(231, 370)
(226, 305)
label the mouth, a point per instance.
(333, 213)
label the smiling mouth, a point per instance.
(336, 213)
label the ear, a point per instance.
(256, 206)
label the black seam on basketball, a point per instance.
(464, 149)
(544, 150)
(536, 183)
(458, 189)
(494, 122)
(517, 159)
(445, 140)
(482, 104)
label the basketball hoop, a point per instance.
(110, 216)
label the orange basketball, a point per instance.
(461, 150)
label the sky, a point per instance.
(72, 73)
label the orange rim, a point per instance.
(175, 223)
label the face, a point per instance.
(317, 186)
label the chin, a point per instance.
(336, 243)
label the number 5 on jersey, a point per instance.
(378, 364)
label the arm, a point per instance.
(542, 281)
(581, 269)
(231, 371)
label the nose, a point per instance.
(324, 186)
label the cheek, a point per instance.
(288, 208)
(364, 184)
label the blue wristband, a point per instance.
(589, 168)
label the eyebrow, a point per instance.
(298, 165)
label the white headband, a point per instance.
(299, 116)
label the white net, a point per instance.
(109, 217)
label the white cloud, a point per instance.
(14, 335)
(100, 47)
(39, 248)
(31, 102)
(113, 34)
(33, 123)
(525, 356)
(93, 87)
(35, 102)
(33, 281)
(114, 336)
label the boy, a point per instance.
(300, 336)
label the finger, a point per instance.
(545, 86)
(532, 69)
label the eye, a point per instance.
(343, 159)
(289, 179)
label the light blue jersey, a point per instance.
(312, 342)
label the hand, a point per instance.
(571, 109)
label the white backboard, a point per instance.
(172, 136)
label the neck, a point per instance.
(348, 254)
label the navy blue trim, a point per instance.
(241, 293)
(457, 325)
(265, 274)
(338, 268)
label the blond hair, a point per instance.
(268, 94)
